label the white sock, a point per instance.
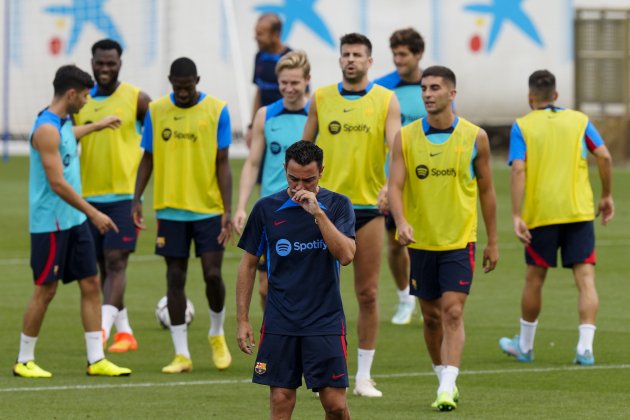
(108, 316)
(528, 332)
(585, 342)
(122, 322)
(447, 379)
(403, 295)
(27, 348)
(94, 346)
(179, 334)
(216, 322)
(438, 371)
(366, 357)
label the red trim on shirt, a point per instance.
(52, 251)
(589, 143)
(538, 260)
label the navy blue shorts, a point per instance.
(120, 213)
(364, 216)
(65, 255)
(436, 272)
(575, 240)
(390, 223)
(283, 359)
(174, 238)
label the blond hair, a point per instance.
(294, 60)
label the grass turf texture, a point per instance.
(491, 384)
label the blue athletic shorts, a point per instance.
(390, 223)
(364, 216)
(575, 240)
(283, 359)
(436, 272)
(120, 213)
(174, 238)
(65, 255)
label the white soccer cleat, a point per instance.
(365, 388)
(404, 313)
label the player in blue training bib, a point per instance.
(276, 127)
(306, 233)
(407, 47)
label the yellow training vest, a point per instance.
(557, 187)
(439, 195)
(184, 155)
(352, 135)
(110, 157)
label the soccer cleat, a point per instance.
(512, 347)
(404, 313)
(434, 404)
(106, 368)
(179, 364)
(585, 359)
(366, 388)
(220, 353)
(30, 370)
(123, 342)
(445, 402)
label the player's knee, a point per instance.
(213, 278)
(46, 293)
(367, 296)
(90, 287)
(335, 409)
(453, 315)
(282, 400)
(115, 263)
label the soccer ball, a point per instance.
(161, 313)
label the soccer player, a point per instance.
(61, 243)
(407, 48)
(307, 232)
(109, 162)
(276, 127)
(186, 139)
(552, 207)
(440, 165)
(268, 33)
(357, 121)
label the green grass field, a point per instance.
(491, 384)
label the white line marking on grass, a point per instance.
(243, 381)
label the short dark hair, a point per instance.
(542, 83)
(71, 77)
(274, 19)
(408, 37)
(356, 38)
(107, 44)
(183, 67)
(440, 71)
(304, 152)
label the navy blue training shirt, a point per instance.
(303, 297)
(265, 76)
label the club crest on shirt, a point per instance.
(260, 368)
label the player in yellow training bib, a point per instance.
(441, 163)
(355, 122)
(186, 139)
(553, 208)
(109, 161)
